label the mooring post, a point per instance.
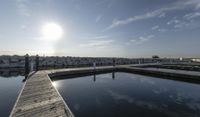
(94, 66)
(31, 66)
(94, 78)
(113, 75)
(114, 62)
(36, 63)
(27, 64)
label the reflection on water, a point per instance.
(123, 94)
(11, 72)
(9, 90)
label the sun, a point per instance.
(52, 31)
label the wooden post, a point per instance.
(31, 66)
(114, 62)
(113, 75)
(94, 66)
(94, 78)
(36, 63)
(27, 64)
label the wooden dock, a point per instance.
(163, 73)
(39, 98)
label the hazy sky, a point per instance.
(125, 28)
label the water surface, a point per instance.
(9, 90)
(129, 95)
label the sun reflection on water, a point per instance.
(55, 84)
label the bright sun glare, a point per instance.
(52, 31)
(54, 84)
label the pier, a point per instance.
(180, 75)
(39, 97)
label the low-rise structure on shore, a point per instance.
(68, 61)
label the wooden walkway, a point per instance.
(184, 72)
(39, 98)
(179, 74)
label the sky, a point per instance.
(101, 28)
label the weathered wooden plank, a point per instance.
(40, 99)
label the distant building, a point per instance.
(63, 62)
(196, 60)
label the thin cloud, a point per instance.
(101, 37)
(156, 13)
(178, 24)
(155, 27)
(22, 7)
(93, 37)
(162, 15)
(192, 15)
(141, 40)
(23, 26)
(195, 3)
(173, 21)
(98, 18)
(162, 30)
(145, 16)
(97, 43)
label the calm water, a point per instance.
(9, 90)
(129, 95)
